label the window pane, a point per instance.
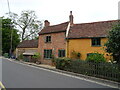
(48, 38)
(96, 42)
(61, 53)
(47, 53)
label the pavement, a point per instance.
(84, 77)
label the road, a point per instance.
(15, 75)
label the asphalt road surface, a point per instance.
(15, 75)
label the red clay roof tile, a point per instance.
(88, 30)
(28, 44)
(55, 28)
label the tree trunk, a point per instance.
(23, 34)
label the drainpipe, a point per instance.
(67, 47)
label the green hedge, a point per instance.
(97, 69)
(62, 63)
(96, 57)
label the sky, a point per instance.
(57, 11)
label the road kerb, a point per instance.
(2, 86)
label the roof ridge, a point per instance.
(59, 24)
(54, 28)
(96, 22)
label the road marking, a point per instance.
(60, 73)
(2, 86)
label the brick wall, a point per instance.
(57, 42)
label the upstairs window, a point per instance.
(61, 53)
(48, 39)
(96, 41)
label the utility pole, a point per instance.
(11, 31)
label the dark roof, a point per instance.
(88, 30)
(55, 28)
(28, 44)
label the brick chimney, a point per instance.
(46, 23)
(71, 18)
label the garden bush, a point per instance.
(62, 63)
(102, 69)
(20, 56)
(96, 57)
(6, 55)
(36, 57)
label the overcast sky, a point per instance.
(57, 11)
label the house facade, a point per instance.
(66, 39)
(63, 39)
(88, 38)
(52, 42)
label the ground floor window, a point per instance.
(61, 53)
(47, 53)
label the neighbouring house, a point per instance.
(52, 40)
(27, 48)
(87, 38)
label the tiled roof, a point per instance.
(88, 30)
(28, 44)
(55, 28)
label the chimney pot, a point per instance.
(46, 23)
(71, 18)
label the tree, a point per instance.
(28, 24)
(7, 28)
(113, 43)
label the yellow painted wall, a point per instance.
(83, 46)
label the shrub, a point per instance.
(36, 56)
(75, 55)
(96, 57)
(6, 55)
(62, 63)
(53, 60)
(20, 56)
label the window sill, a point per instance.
(96, 46)
(47, 58)
(48, 42)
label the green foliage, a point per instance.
(53, 60)
(7, 27)
(62, 63)
(6, 55)
(28, 24)
(103, 70)
(75, 55)
(113, 43)
(20, 56)
(36, 56)
(96, 57)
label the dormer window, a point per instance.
(48, 39)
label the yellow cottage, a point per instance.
(87, 38)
